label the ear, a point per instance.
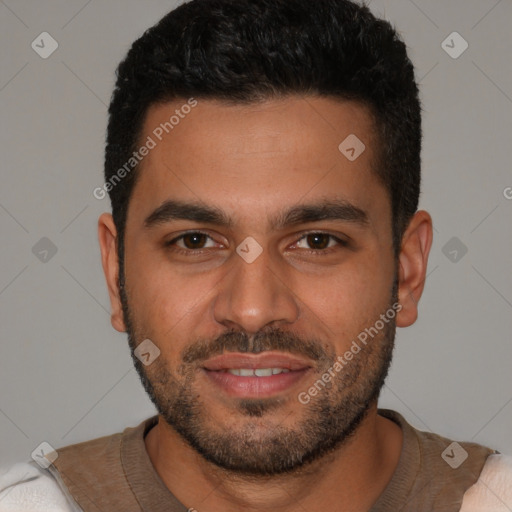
(107, 235)
(413, 260)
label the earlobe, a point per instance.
(107, 236)
(413, 260)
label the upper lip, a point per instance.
(233, 360)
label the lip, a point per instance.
(253, 361)
(255, 387)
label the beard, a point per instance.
(260, 447)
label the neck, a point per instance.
(351, 477)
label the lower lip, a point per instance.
(255, 387)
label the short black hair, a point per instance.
(246, 51)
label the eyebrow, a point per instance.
(340, 210)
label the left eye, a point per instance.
(320, 241)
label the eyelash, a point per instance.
(198, 252)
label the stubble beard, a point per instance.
(260, 446)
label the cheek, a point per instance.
(349, 300)
(163, 304)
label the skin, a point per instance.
(253, 162)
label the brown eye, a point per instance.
(194, 240)
(318, 240)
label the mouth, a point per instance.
(255, 375)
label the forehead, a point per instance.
(249, 159)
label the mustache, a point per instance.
(238, 341)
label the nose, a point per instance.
(255, 295)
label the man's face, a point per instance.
(251, 313)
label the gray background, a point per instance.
(66, 375)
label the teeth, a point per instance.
(258, 372)
(275, 371)
(263, 372)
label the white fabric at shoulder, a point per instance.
(28, 488)
(493, 490)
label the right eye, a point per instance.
(190, 242)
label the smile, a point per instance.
(260, 375)
(258, 372)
